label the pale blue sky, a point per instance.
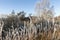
(6, 6)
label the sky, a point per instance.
(6, 6)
